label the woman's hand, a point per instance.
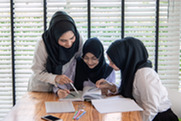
(105, 86)
(62, 79)
(62, 93)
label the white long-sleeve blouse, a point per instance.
(40, 79)
(149, 93)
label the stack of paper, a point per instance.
(117, 104)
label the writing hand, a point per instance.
(62, 79)
(62, 93)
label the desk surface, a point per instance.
(32, 106)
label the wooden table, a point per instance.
(32, 106)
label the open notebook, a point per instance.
(87, 94)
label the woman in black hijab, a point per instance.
(139, 81)
(92, 67)
(61, 44)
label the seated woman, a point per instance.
(92, 68)
(139, 81)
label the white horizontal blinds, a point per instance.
(140, 23)
(77, 9)
(106, 22)
(28, 22)
(53, 6)
(168, 61)
(5, 59)
(180, 55)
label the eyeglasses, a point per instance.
(94, 60)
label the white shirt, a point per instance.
(149, 93)
(43, 81)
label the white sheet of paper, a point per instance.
(59, 107)
(117, 104)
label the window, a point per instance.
(28, 27)
(169, 37)
(105, 19)
(5, 59)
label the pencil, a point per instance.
(74, 88)
(72, 94)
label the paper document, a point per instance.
(117, 104)
(59, 107)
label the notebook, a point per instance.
(59, 107)
(88, 93)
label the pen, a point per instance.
(72, 94)
(74, 88)
(81, 115)
(75, 115)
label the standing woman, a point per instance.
(139, 81)
(61, 44)
(92, 68)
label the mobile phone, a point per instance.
(51, 118)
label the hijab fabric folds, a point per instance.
(83, 72)
(128, 54)
(60, 23)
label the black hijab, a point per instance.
(60, 23)
(83, 72)
(128, 54)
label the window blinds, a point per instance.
(140, 22)
(28, 27)
(105, 23)
(77, 9)
(168, 61)
(5, 58)
(180, 53)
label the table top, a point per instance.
(32, 107)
